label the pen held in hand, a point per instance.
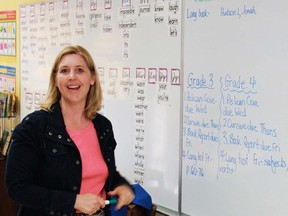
(112, 201)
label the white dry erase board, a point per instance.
(235, 141)
(136, 46)
(215, 70)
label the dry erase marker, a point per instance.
(113, 201)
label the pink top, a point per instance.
(94, 168)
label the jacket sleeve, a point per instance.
(22, 167)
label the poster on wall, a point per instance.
(7, 78)
(8, 33)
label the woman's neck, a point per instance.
(74, 116)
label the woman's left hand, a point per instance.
(125, 195)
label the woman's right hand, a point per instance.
(88, 203)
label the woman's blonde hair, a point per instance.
(94, 98)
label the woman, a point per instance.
(61, 159)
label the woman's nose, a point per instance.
(72, 74)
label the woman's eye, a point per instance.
(63, 70)
(80, 70)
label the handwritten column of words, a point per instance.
(224, 127)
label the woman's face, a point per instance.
(73, 79)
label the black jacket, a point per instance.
(44, 169)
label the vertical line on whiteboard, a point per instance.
(181, 107)
(219, 122)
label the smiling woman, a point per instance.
(63, 154)
(74, 64)
(74, 80)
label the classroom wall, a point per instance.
(234, 144)
(14, 61)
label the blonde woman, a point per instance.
(61, 158)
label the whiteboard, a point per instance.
(235, 142)
(136, 46)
